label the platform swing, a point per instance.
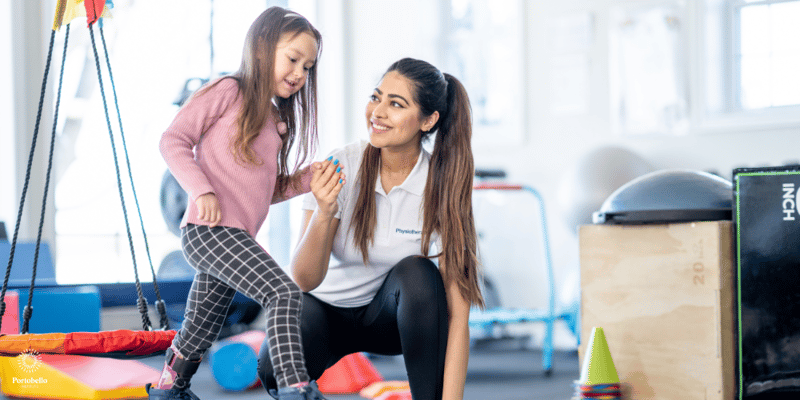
(118, 344)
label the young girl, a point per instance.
(382, 294)
(229, 148)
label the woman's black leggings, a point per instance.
(408, 316)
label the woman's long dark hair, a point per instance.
(254, 78)
(447, 204)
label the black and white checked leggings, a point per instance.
(228, 260)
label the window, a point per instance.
(485, 51)
(750, 60)
(766, 53)
(647, 60)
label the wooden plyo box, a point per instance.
(664, 296)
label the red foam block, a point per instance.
(351, 374)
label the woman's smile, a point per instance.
(378, 127)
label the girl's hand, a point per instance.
(208, 209)
(326, 182)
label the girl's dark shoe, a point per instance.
(169, 394)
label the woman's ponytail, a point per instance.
(448, 194)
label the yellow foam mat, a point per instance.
(73, 377)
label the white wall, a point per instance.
(30, 33)
(380, 33)
(7, 182)
(332, 80)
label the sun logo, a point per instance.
(29, 361)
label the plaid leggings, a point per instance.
(229, 260)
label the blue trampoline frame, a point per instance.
(488, 319)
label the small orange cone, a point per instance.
(348, 376)
(396, 395)
(376, 389)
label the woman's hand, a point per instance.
(326, 183)
(313, 253)
(208, 209)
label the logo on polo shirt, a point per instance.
(407, 231)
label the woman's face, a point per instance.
(294, 57)
(393, 119)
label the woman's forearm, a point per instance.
(457, 357)
(313, 253)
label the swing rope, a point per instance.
(28, 307)
(142, 302)
(146, 325)
(27, 181)
(162, 309)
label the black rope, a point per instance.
(142, 304)
(159, 302)
(29, 308)
(27, 177)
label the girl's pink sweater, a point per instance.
(198, 152)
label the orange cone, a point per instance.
(396, 395)
(378, 388)
(348, 376)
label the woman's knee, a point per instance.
(419, 279)
(416, 267)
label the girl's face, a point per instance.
(294, 57)
(393, 119)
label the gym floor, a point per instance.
(498, 370)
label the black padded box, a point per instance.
(767, 219)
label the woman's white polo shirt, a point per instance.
(398, 234)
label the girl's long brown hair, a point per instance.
(255, 80)
(447, 203)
